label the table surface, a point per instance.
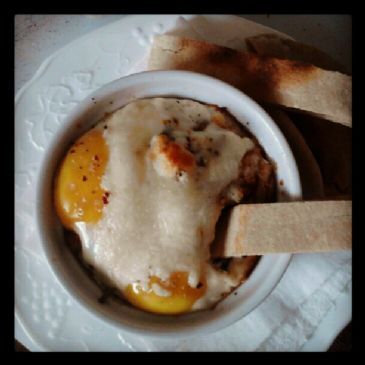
(39, 36)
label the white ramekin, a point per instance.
(111, 97)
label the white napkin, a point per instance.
(290, 315)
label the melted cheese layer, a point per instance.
(168, 166)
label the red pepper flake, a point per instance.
(105, 197)
(96, 158)
(84, 178)
(281, 182)
(73, 151)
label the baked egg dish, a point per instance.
(144, 190)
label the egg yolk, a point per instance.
(179, 298)
(79, 196)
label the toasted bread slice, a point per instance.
(274, 46)
(288, 83)
(258, 229)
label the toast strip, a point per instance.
(291, 84)
(274, 46)
(295, 227)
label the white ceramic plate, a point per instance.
(46, 317)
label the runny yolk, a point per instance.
(79, 196)
(179, 297)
